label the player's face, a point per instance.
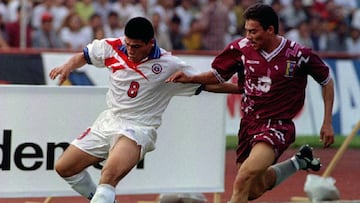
(257, 36)
(137, 49)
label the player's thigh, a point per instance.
(123, 157)
(261, 156)
(73, 161)
(256, 166)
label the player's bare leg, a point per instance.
(122, 158)
(253, 177)
(71, 166)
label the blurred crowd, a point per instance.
(324, 25)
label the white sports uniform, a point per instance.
(137, 97)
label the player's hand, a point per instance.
(178, 76)
(62, 72)
(327, 135)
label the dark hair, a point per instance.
(113, 13)
(176, 19)
(93, 16)
(264, 14)
(139, 28)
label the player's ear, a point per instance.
(271, 29)
(152, 42)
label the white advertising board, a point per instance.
(346, 74)
(36, 121)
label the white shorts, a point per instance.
(101, 137)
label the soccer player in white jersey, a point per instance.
(273, 72)
(137, 97)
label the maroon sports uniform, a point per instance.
(274, 85)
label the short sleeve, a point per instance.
(95, 53)
(317, 68)
(189, 89)
(228, 62)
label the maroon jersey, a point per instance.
(274, 83)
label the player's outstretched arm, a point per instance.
(202, 78)
(225, 87)
(64, 70)
(178, 76)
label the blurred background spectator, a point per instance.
(161, 35)
(142, 8)
(45, 36)
(192, 39)
(103, 8)
(3, 38)
(3, 32)
(74, 33)
(166, 9)
(59, 11)
(4, 11)
(214, 23)
(98, 33)
(186, 12)
(13, 29)
(301, 34)
(318, 32)
(353, 41)
(85, 9)
(70, 5)
(124, 8)
(336, 38)
(13, 7)
(293, 14)
(95, 25)
(3, 43)
(42, 7)
(176, 37)
(324, 25)
(114, 26)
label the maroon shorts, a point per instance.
(278, 133)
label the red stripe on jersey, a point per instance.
(115, 64)
(86, 132)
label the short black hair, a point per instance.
(264, 14)
(139, 28)
(113, 13)
(176, 19)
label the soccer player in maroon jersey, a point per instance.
(273, 73)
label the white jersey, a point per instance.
(138, 92)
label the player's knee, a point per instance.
(250, 176)
(111, 176)
(61, 170)
(259, 187)
(245, 176)
(256, 192)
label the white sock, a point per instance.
(284, 170)
(105, 193)
(82, 183)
